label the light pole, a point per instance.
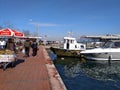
(36, 26)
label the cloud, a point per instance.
(45, 24)
(49, 24)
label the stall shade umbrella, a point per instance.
(11, 33)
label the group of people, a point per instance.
(30, 44)
(27, 44)
(9, 44)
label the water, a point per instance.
(88, 75)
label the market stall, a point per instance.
(7, 32)
(7, 57)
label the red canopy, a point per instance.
(6, 32)
(18, 34)
(10, 32)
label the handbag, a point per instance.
(23, 51)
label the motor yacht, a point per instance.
(109, 51)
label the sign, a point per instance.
(7, 58)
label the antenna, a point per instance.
(69, 33)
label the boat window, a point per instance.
(107, 45)
(82, 46)
(68, 41)
(72, 41)
(117, 44)
(64, 41)
(75, 46)
(112, 45)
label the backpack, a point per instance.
(34, 45)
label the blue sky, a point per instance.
(57, 17)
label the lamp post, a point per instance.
(36, 26)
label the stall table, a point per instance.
(6, 59)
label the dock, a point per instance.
(32, 73)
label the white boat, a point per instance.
(109, 51)
(71, 48)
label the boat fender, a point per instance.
(82, 57)
(109, 60)
(110, 57)
(62, 58)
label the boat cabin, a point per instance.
(70, 43)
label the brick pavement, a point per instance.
(28, 74)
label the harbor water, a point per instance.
(88, 75)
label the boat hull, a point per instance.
(101, 54)
(65, 53)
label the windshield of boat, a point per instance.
(112, 44)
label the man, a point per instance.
(34, 47)
(27, 46)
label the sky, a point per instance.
(56, 18)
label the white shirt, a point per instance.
(2, 43)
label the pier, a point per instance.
(32, 73)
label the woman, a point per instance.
(34, 47)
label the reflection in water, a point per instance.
(97, 70)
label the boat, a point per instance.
(109, 51)
(71, 48)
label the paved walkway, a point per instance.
(32, 73)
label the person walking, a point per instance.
(27, 47)
(34, 47)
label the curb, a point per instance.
(55, 79)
